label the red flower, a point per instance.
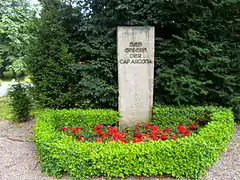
(112, 130)
(154, 128)
(80, 138)
(192, 126)
(173, 136)
(187, 133)
(167, 130)
(99, 126)
(153, 133)
(105, 136)
(99, 132)
(181, 129)
(123, 140)
(138, 125)
(99, 140)
(117, 136)
(146, 126)
(63, 128)
(154, 137)
(69, 135)
(124, 134)
(140, 135)
(135, 140)
(136, 130)
(75, 130)
(163, 137)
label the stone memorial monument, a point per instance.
(135, 49)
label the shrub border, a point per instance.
(187, 157)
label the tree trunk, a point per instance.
(14, 74)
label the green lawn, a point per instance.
(5, 109)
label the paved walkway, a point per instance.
(19, 161)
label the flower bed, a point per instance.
(187, 156)
(141, 133)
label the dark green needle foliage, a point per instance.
(73, 59)
(20, 102)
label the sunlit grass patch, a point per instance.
(5, 109)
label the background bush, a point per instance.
(186, 157)
(20, 101)
(73, 58)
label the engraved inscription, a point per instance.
(136, 53)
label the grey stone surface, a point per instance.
(135, 48)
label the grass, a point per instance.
(5, 109)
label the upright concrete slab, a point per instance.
(135, 48)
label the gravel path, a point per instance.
(228, 167)
(19, 162)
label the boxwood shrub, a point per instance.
(186, 157)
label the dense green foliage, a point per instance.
(73, 60)
(15, 18)
(20, 101)
(162, 117)
(50, 62)
(86, 119)
(185, 157)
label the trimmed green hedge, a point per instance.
(187, 157)
(171, 116)
(84, 118)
